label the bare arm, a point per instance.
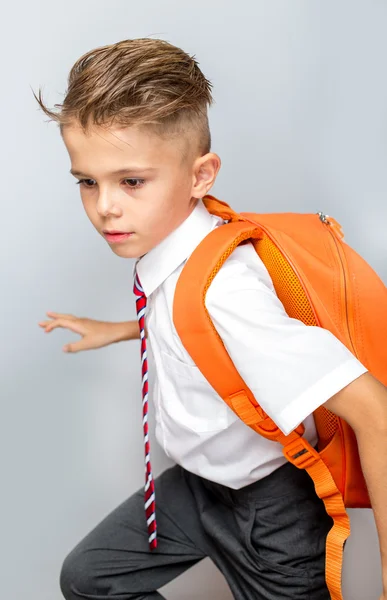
(363, 405)
(128, 330)
(95, 334)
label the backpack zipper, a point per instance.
(336, 232)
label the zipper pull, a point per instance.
(335, 226)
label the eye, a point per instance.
(83, 182)
(135, 182)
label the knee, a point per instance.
(84, 574)
(76, 575)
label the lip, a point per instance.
(115, 238)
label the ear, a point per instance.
(205, 170)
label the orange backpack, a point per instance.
(323, 282)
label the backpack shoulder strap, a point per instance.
(197, 332)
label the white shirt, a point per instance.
(290, 367)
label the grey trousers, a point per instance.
(268, 540)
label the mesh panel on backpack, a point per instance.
(290, 292)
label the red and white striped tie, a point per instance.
(150, 505)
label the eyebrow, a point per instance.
(119, 172)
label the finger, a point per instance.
(76, 347)
(65, 324)
(59, 315)
(45, 323)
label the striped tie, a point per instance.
(150, 506)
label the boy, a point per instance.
(134, 122)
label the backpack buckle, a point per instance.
(300, 453)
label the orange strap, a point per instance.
(301, 454)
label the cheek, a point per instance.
(156, 225)
(86, 205)
(90, 209)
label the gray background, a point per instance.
(300, 124)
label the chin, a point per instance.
(125, 252)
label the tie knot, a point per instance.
(137, 287)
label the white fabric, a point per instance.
(291, 368)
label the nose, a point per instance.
(107, 203)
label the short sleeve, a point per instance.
(290, 367)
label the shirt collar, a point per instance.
(154, 267)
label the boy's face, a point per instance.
(154, 193)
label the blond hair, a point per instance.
(138, 82)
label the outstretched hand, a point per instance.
(95, 334)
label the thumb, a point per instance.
(77, 346)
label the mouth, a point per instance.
(116, 236)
